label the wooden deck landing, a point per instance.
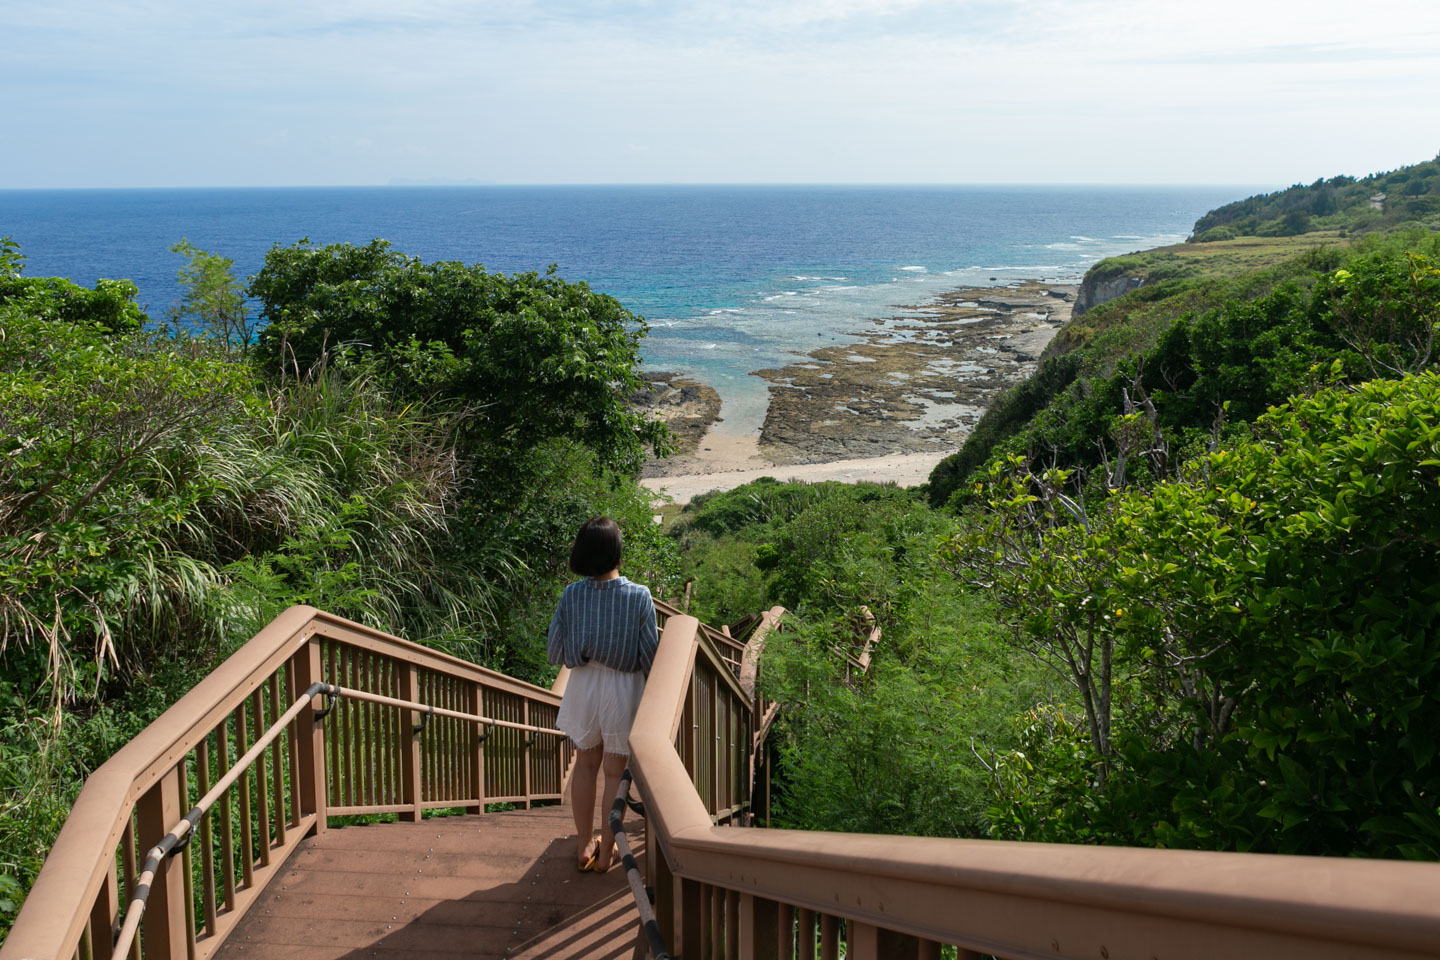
(500, 885)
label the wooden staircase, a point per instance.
(495, 885)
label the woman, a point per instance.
(604, 631)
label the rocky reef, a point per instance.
(917, 381)
(687, 407)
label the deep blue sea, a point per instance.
(732, 279)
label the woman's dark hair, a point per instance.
(597, 547)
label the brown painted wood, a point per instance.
(227, 824)
(277, 760)
(246, 899)
(309, 738)
(829, 937)
(292, 739)
(262, 785)
(786, 945)
(759, 928)
(104, 916)
(474, 885)
(528, 740)
(187, 863)
(408, 745)
(732, 925)
(476, 782)
(867, 942)
(688, 925)
(247, 839)
(207, 858)
(166, 910)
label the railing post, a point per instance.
(525, 744)
(410, 767)
(805, 935)
(759, 928)
(477, 749)
(104, 914)
(714, 745)
(309, 734)
(731, 930)
(688, 918)
(663, 882)
(166, 909)
(767, 756)
(829, 937)
(868, 942)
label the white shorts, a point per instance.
(599, 707)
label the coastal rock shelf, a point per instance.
(917, 382)
(687, 407)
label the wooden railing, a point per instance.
(339, 719)
(404, 729)
(723, 893)
(729, 649)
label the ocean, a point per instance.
(732, 279)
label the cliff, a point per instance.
(1094, 292)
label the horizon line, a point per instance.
(657, 183)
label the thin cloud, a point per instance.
(160, 92)
(1421, 48)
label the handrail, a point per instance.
(717, 637)
(648, 922)
(755, 648)
(434, 711)
(75, 900)
(1009, 899)
(185, 828)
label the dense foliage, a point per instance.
(1254, 640)
(891, 749)
(165, 491)
(1410, 195)
(1234, 650)
(535, 357)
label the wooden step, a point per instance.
(500, 885)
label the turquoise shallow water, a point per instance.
(732, 279)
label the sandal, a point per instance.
(589, 864)
(614, 858)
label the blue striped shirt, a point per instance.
(611, 622)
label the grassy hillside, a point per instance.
(1241, 253)
(1409, 196)
(1213, 270)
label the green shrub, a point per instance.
(1215, 234)
(1271, 615)
(533, 357)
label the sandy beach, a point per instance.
(885, 408)
(737, 461)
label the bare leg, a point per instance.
(582, 798)
(614, 770)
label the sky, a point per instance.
(175, 93)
